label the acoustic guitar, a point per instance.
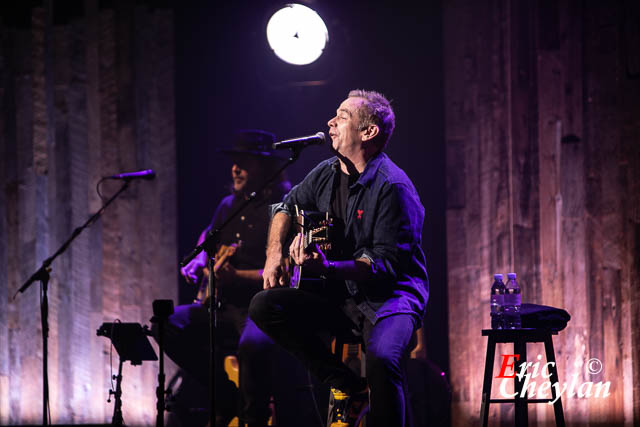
(317, 228)
(225, 252)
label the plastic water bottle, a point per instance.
(512, 303)
(497, 302)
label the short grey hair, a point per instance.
(375, 111)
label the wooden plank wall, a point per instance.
(543, 158)
(81, 98)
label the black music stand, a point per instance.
(131, 343)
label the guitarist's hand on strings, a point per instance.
(193, 271)
(314, 261)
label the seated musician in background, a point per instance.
(380, 290)
(238, 273)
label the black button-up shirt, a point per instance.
(383, 223)
(249, 230)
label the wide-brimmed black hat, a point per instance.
(253, 142)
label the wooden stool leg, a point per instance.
(488, 378)
(521, 410)
(553, 371)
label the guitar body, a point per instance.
(225, 252)
(317, 228)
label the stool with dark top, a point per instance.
(519, 338)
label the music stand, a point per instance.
(131, 343)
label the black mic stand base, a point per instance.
(162, 309)
(117, 419)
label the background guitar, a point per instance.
(225, 252)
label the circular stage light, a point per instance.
(297, 34)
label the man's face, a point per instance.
(343, 128)
(243, 170)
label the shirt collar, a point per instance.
(370, 169)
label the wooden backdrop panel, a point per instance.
(81, 99)
(542, 130)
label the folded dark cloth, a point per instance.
(542, 316)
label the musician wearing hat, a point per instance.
(238, 272)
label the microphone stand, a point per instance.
(162, 309)
(43, 275)
(209, 246)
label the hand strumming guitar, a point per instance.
(193, 271)
(276, 272)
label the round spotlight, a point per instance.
(297, 34)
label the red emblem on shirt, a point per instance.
(360, 212)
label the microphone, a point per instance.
(301, 142)
(145, 174)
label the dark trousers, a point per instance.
(298, 321)
(187, 344)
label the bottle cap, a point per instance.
(511, 275)
(498, 276)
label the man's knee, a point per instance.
(248, 349)
(258, 308)
(383, 365)
(254, 342)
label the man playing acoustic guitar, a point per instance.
(378, 290)
(238, 273)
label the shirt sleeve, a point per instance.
(397, 234)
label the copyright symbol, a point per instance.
(594, 365)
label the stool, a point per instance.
(356, 350)
(355, 353)
(353, 344)
(519, 338)
(232, 368)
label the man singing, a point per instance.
(378, 289)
